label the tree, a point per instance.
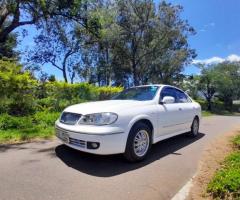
(60, 47)
(17, 13)
(227, 81)
(190, 85)
(7, 49)
(152, 44)
(207, 83)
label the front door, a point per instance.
(171, 117)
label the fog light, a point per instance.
(93, 145)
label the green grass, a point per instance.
(226, 181)
(18, 129)
(206, 113)
(236, 141)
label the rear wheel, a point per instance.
(138, 143)
(195, 127)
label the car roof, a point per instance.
(159, 85)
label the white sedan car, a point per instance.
(130, 122)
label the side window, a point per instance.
(181, 97)
(168, 92)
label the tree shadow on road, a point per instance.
(111, 165)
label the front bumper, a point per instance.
(109, 142)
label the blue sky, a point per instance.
(218, 29)
(217, 23)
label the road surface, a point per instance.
(48, 170)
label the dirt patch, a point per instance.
(212, 156)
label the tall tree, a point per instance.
(152, 42)
(227, 82)
(207, 83)
(60, 47)
(17, 13)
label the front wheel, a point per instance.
(138, 143)
(195, 127)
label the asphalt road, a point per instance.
(48, 170)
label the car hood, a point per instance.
(104, 106)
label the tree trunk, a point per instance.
(135, 78)
(65, 75)
(64, 70)
(228, 103)
(209, 106)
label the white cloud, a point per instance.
(233, 58)
(215, 60)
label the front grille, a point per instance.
(80, 143)
(69, 118)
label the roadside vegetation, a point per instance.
(226, 182)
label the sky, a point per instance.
(217, 23)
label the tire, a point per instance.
(139, 142)
(194, 128)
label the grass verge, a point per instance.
(206, 113)
(18, 129)
(225, 184)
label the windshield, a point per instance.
(144, 93)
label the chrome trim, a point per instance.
(102, 134)
(175, 124)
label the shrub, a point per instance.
(45, 118)
(11, 122)
(17, 89)
(107, 92)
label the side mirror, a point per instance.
(167, 100)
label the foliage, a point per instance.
(119, 43)
(7, 49)
(17, 89)
(189, 84)
(220, 81)
(226, 181)
(59, 47)
(39, 125)
(236, 141)
(151, 43)
(21, 94)
(58, 95)
(227, 82)
(207, 85)
(14, 14)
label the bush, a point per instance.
(59, 95)
(22, 95)
(107, 92)
(17, 89)
(45, 118)
(11, 122)
(39, 125)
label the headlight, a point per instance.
(98, 118)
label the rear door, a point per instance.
(186, 108)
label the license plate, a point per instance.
(63, 136)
